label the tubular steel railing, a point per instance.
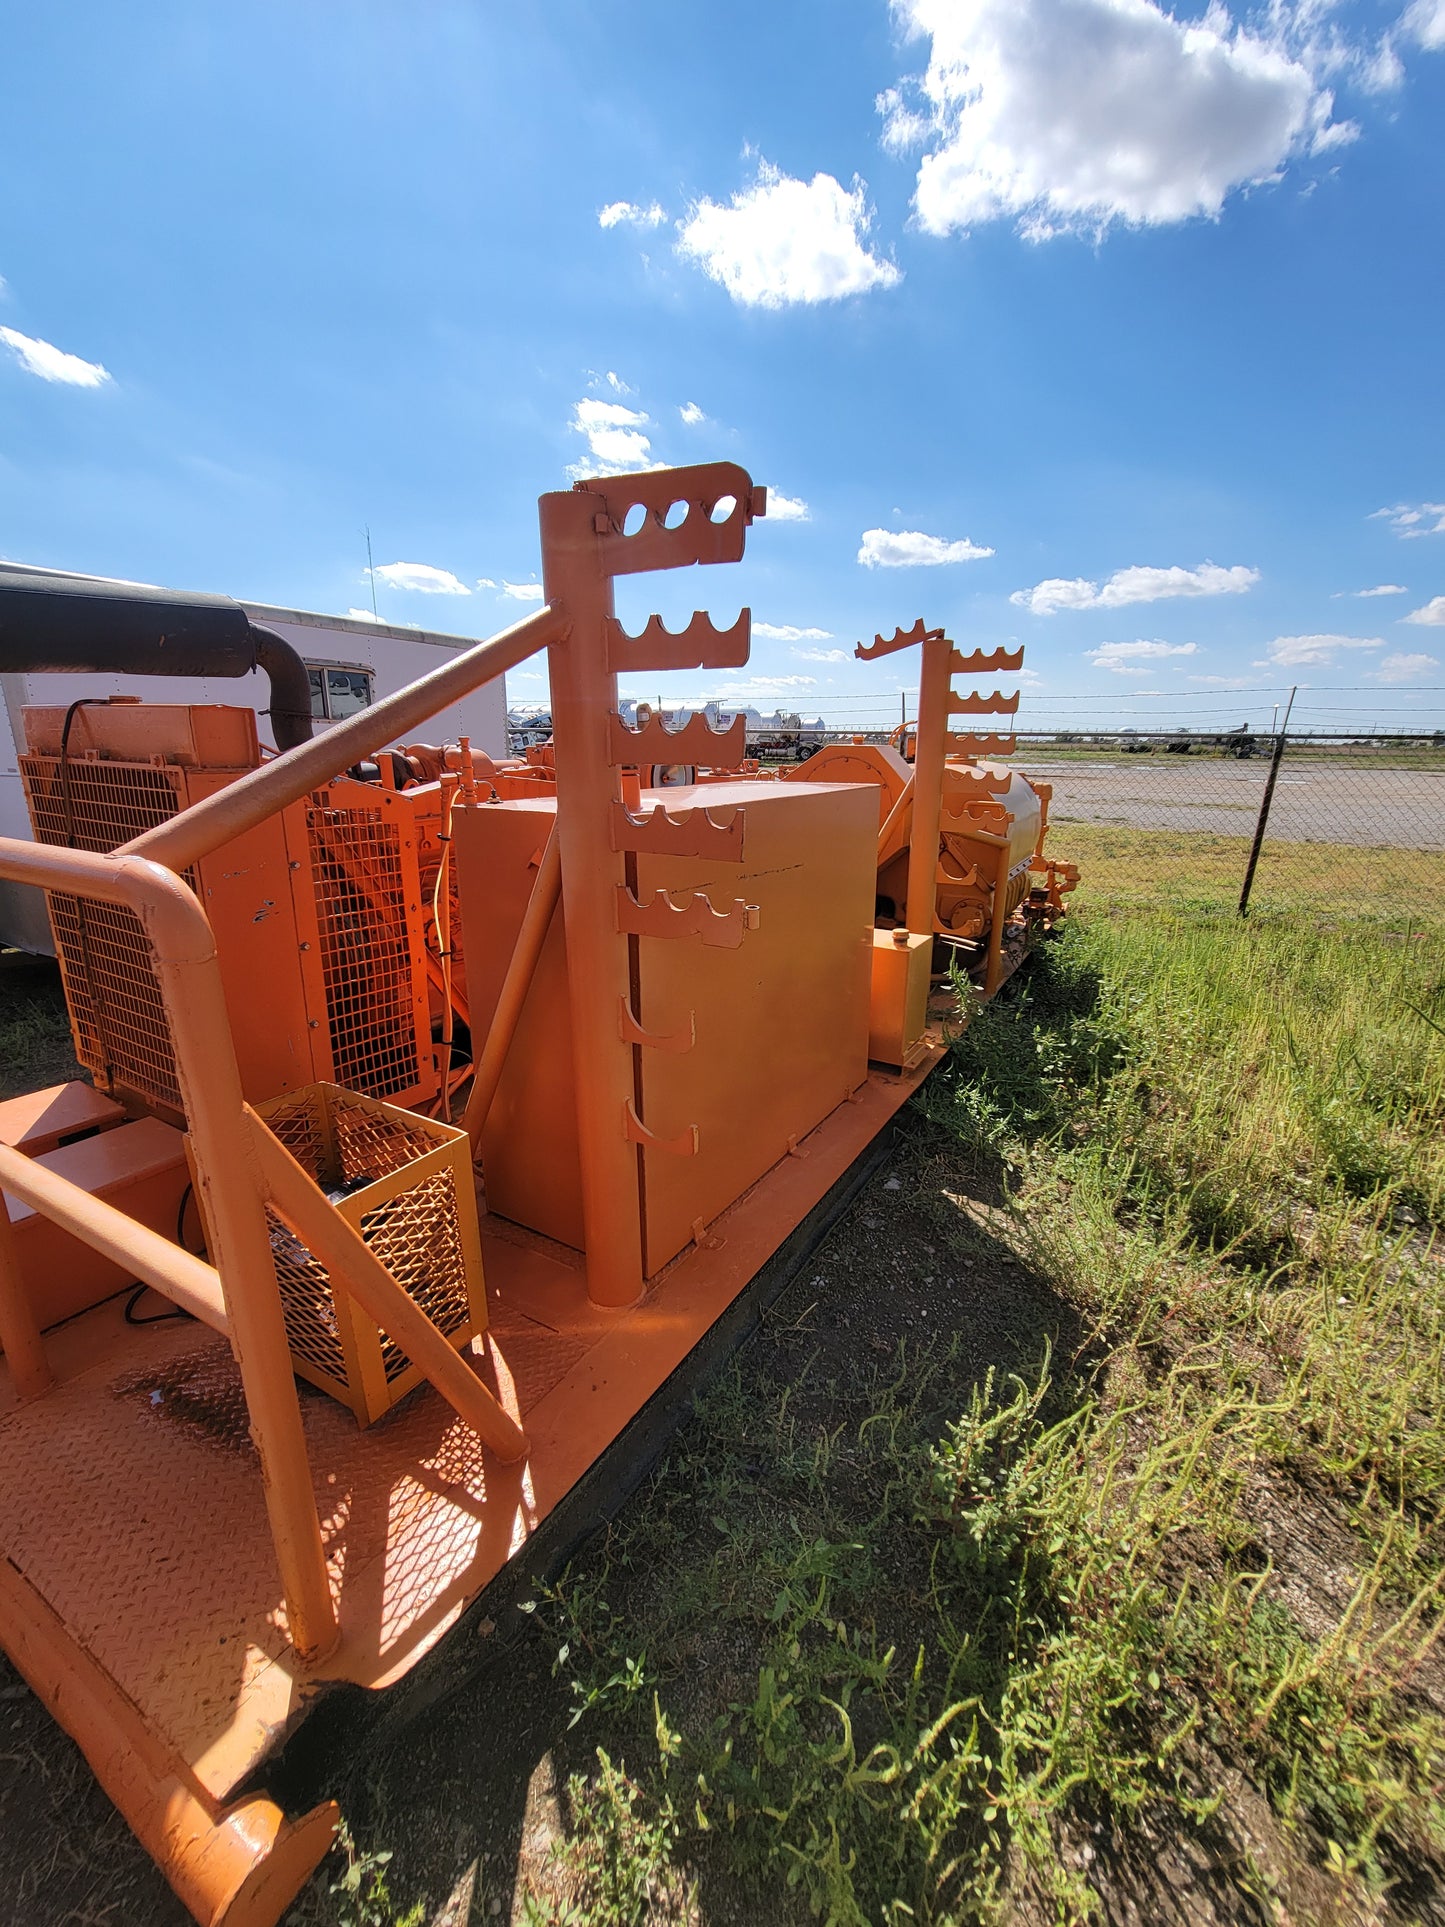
(239, 1165)
(228, 1180)
(241, 805)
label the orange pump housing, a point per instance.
(981, 803)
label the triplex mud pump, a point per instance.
(322, 997)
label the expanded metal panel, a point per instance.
(306, 1303)
(415, 1235)
(359, 1156)
(117, 1016)
(366, 955)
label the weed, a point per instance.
(617, 1861)
(908, 1636)
(361, 1895)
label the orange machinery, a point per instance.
(686, 1022)
(319, 904)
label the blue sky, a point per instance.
(1074, 322)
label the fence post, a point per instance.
(1264, 803)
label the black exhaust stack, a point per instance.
(52, 623)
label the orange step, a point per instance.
(140, 1168)
(44, 1120)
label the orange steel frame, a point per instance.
(238, 1865)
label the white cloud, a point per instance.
(1422, 518)
(911, 549)
(485, 582)
(619, 213)
(1307, 652)
(614, 437)
(1137, 658)
(783, 241)
(1226, 682)
(822, 655)
(1384, 588)
(692, 414)
(787, 508)
(420, 578)
(1072, 115)
(1402, 668)
(53, 364)
(523, 591)
(1431, 614)
(1133, 585)
(785, 632)
(391, 622)
(1076, 114)
(1425, 20)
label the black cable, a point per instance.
(156, 1318)
(160, 1317)
(186, 1197)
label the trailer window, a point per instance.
(338, 692)
(347, 691)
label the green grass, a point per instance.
(35, 1041)
(908, 1638)
(1188, 871)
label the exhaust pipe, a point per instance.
(53, 623)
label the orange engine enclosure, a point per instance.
(781, 1023)
(317, 910)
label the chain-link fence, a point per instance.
(1345, 824)
(1354, 824)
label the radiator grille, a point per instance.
(366, 959)
(117, 1016)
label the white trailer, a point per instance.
(351, 665)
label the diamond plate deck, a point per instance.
(132, 1499)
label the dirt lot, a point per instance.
(1366, 806)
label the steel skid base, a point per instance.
(138, 1587)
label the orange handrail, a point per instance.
(241, 805)
(228, 1182)
(168, 1268)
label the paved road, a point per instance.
(1399, 808)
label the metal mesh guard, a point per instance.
(413, 1232)
(365, 957)
(117, 1014)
